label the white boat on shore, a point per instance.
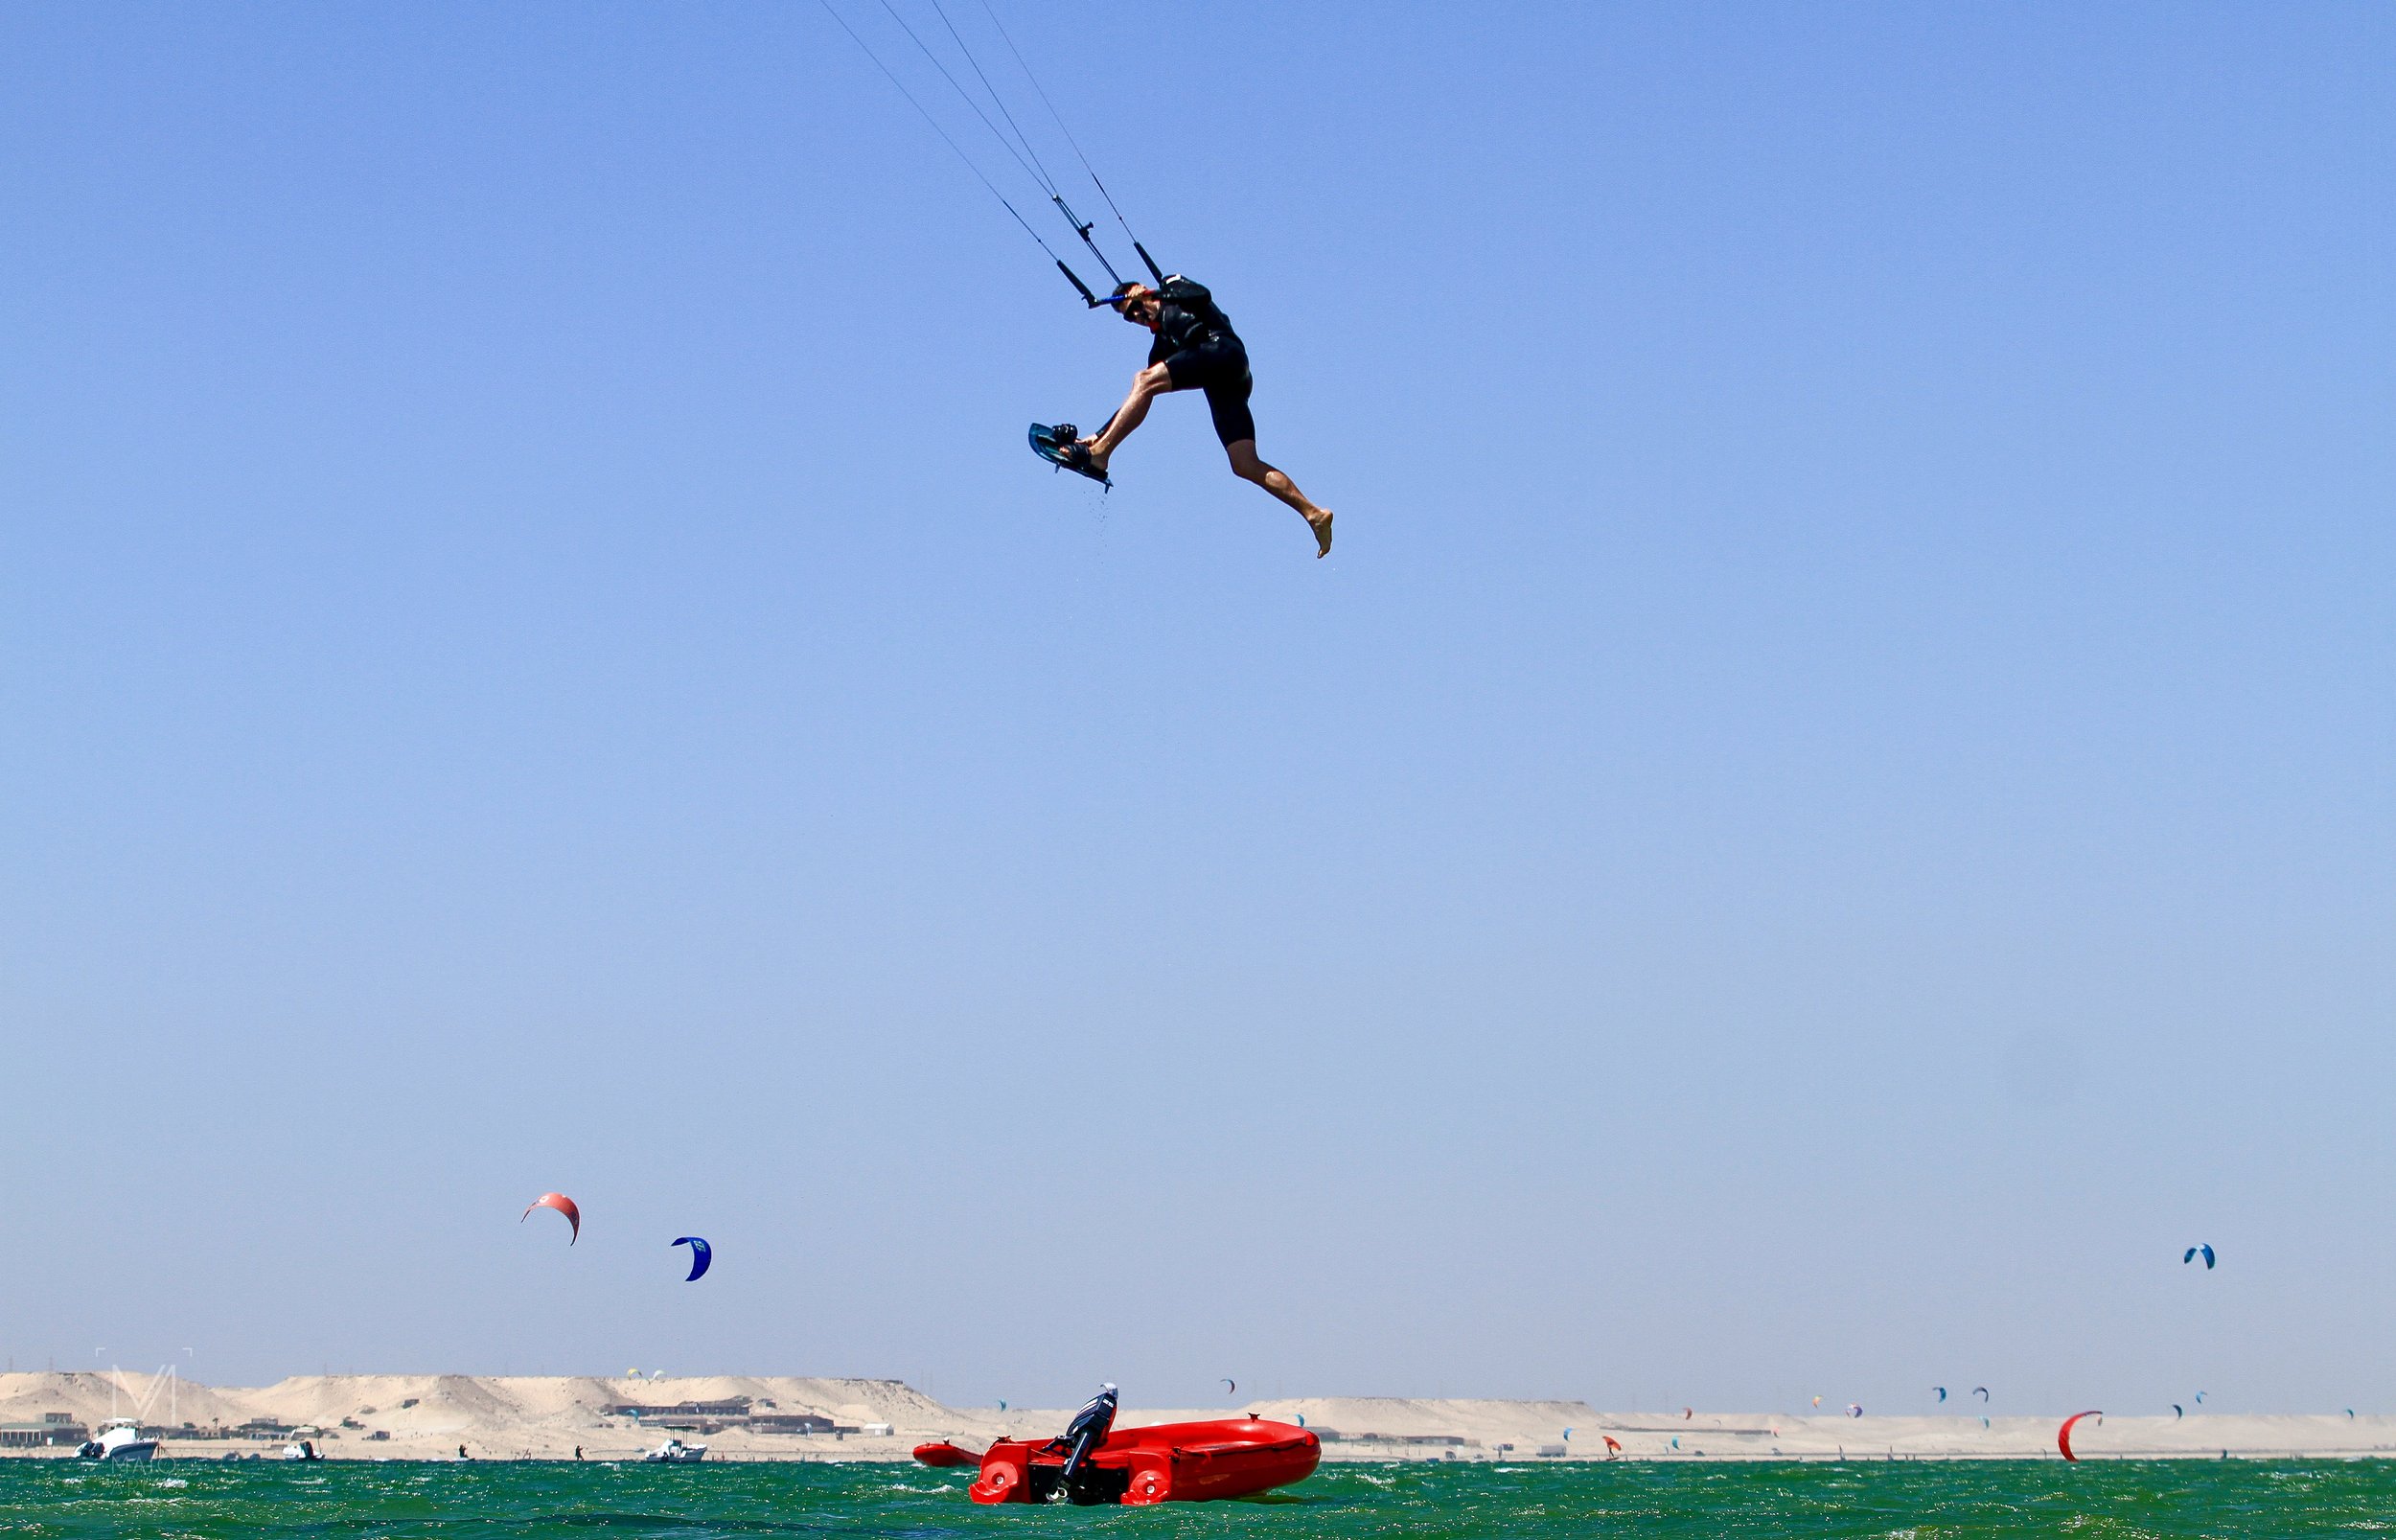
(120, 1438)
(674, 1451)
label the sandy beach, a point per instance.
(743, 1418)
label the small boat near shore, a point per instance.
(119, 1439)
(674, 1451)
(1093, 1461)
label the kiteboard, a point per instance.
(1061, 447)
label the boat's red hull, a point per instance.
(1168, 1462)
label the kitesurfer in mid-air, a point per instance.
(1196, 349)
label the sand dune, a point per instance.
(425, 1417)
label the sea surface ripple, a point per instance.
(194, 1500)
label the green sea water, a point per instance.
(200, 1500)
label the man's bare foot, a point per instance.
(1097, 460)
(1320, 522)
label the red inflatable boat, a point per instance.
(1168, 1462)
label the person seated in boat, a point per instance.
(1196, 349)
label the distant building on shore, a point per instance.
(714, 1416)
(54, 1428)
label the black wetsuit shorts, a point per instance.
(1219, 367)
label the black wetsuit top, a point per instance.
(1189, 317)
(1198, 348)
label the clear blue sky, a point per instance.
(1834, 808)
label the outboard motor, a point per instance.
(1077, 1480)
(1087, 1430)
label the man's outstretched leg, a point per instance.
(1248, 468)
(1147, 386)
